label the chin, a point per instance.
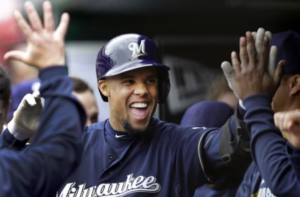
(136, 129)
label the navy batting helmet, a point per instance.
(129, 52)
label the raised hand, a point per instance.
(258, 37)
(251, 74)
(289, 124)
(45, 45)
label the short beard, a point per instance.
(134, 132)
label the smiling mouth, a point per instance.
(139, 110)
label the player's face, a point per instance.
(88, 101)
(132, 99)
(281, 101)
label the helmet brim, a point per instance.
(133, 65)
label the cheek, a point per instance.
(119, 99)
(279, 99)
(154, 92)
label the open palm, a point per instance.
(45, 47)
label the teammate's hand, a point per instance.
(251, 76)
(27, 117)
(45, 47)
(258, 37)
(289, 124)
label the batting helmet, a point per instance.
(129, 52)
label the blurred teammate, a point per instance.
(274, 171)
(86, 97)
(220, 91)
(40, 169)
(217, 110)
(207, 114)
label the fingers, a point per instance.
(48, 16)
(235, 62)
(243, 51)
(251, 49)
(287, 121)
(36, 94)
(15, 55)
(259, 40)
(254, 35)
(29, 98)
(23, 25)
(272, 60)
(63, 25)
(269, 35)
(33, 16)
(227, 69)
(278, 73)
(264, 54)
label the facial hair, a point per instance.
(135, 132)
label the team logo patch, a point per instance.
(132, 184)
(137, 50)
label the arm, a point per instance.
(42, 167)
(198, 155)
(277, 161)
(225, 150)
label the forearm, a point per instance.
(226, 149)
(269, 148)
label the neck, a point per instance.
(116, 124)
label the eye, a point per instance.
(151, 81)
(128, 82)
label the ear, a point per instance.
(103, 87)
(295, 84)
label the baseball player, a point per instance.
(134, 154)
(86, 97)
(42, 167)
(275, 170)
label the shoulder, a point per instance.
(94, 131)
(175, 131)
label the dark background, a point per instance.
(203, 31)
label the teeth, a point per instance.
(139, 105)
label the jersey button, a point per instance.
(110, 156)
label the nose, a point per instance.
(141, 89)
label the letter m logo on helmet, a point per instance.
(137, 50)
(129, 52)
